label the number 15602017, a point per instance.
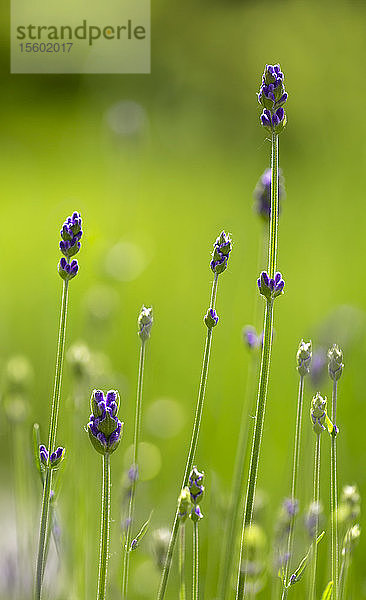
(46, 47)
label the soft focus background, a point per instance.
(158, 165)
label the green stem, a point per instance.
(195, 589)
(295, 471)
(182, 552)
(51, 443)
(273, 227)
(131, 508)
(192, 448)
(104, 528)
(333, 496)
(316, 504)
(257, 437)
(265, 365)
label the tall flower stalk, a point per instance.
(303, 357)
(71, 233)
(318, 416)
(271, 96)
(220, 256)
(105, 430)
(335, 369)
(145, 322)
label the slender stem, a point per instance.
(316, 504)
(333, 496)
(295, 471)
(265, 364)
(195, 589)
(345, 564)
(104, 528)
(131, 508)
(257, 437)
(43, 533)
(182, 552)
(51, 443)
(193, 446)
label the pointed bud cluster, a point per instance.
(262, 194)
(211, 319)
(196, 490)
(318, 413)
(71, 233)
(335, 362)
(272, 96)
(67, 270)
(145, 322)
(54, 459)
(270, 288)
(303, 358)
(104, 428)
(220, 254)
(184, 504)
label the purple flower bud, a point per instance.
(220, 254)
(145, 322)
(195, 485)
(272, 96)
(262, 194)
(104, 428)
(211, 319)
(71, 233)
(67, 270)
(270, 288)
(43, 455)
(56, 457)
(250, 337)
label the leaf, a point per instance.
(36, 443)
(329, 424)
(328, 591)
(296, 576)
(141, 534)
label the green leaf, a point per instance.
(36, 444)
(296, 576)
(328, 591)
(329, 424)
(141, 534)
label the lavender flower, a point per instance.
(251, 338)
(220, 254)
(71, 233)
(211, 319)
(104, 428)
(318, 413)
(67, 270)
(54, 459)
(303, 358)
(335, 362)
(195, 485)
(270, 288)
(312, 518)
(145, 322)
(272, 96)
(262, 194)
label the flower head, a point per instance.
(211, 319)
(71, 233)
(195, 485)
(220, 254)
(303, 358)
(270, 288)
(54, 459)
(250, 337)
(318, 413)
(262, 194)
(145, 322)
(272, 96)
(335, 362)
(104, 427)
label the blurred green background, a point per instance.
(158, 165)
